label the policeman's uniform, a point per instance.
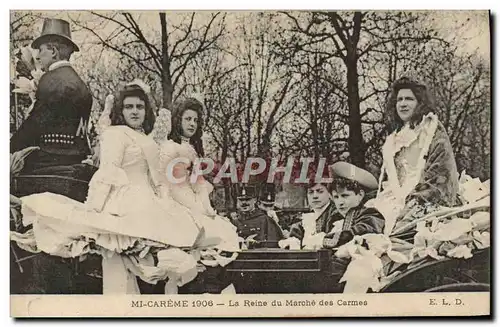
(257, 222)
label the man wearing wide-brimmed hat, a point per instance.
(58, 122)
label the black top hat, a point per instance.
(58, 28)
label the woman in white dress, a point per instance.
(184, 144)
(123, 218)
(419, 172)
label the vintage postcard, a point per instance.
(250, 163)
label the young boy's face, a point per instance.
(318, 196)
(345, 199)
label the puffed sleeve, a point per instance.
(202, 188)
(110, 172)
(167, 154)
(180, 192)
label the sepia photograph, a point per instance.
(250, 163)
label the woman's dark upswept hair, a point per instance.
(178, 110)
(425, 102)
(116, 115)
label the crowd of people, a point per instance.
(148, 229)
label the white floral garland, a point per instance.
(444, 237)
(23, 84)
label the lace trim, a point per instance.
(389, 153)
(406, 136)
(309, 224)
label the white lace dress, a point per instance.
(122, 219)
(219, 233)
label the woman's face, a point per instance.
(189, 123)
(134, 112)
(406, 102)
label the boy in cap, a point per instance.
(338, 215)
(349, 193)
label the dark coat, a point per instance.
(258, 222)
(58, 122)
(358, 221)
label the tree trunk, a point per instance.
(356, 146)
(316, 111)
(225, 146)
(166, 78)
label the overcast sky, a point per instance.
(474, 34)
